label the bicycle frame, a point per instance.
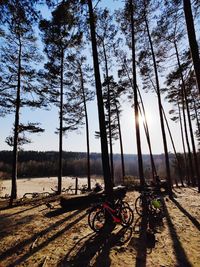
(111, 212)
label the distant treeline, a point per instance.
(43, 164)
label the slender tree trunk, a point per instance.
(192, 39)
(146, 128)
(137, 126)
(192, 142)
(173, 145)
(160, 112)
(190, 166)
(196, 114)
(183, 143)
(61, 128)
(154, 172)
(184, 97)
(102, 126)
(87, 130)
(120, 141)
(109, 114)
(16, 128)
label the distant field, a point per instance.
(39, 185)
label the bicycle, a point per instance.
(153, 202)
(101, 214)
(155, 210)
(119, 203)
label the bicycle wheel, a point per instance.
(138, 205)
(127, 216)
(92, 212)
(99, 221)
(125, 235)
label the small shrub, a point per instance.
(131, 180)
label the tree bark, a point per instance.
(109, 114)
(120, 141)
(87, 130)
(192, 39)
(183, 143)
(160, 111)
(185, 101)
(16, 128)
(102, 126)
(173, 145)
(61, 128)
(146, 128)
(137, 125)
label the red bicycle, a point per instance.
(119, 213)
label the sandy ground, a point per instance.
(41, 185)
(34, 235)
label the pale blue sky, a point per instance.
(77, 142)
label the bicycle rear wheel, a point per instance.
(127, 216)
(138, 205)
(99, 221)
(92, 212)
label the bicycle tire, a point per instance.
(99, 221)
(138, 205)
(92, 213)
(127, 216)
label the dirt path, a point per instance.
(34, 235)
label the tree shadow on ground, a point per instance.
(56, 212)
(141, 242)
(9, 225)
(24, 209)
(179, 251)
(96, 249)
(47, 241)
(20, 246)
(186, 213)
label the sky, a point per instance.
(76, 141)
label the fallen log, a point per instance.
(74, 202)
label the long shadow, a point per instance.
(54, 213)
(21, 211)
(30, 240)
(11, 204)
(46, 242)
(99, 245)
(180, 254)
(10, 226)
(141, 256)
(186, 213)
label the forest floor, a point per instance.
(33, 235)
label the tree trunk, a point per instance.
(192, 39)
(146, 128)
(87, 130)
(193, 144)
(183, 143)
(102, 126)
(120, 141)
(109, 115)
(137, 126)
(16, 128)
(173, 145)
(61, 128)
(184, 97)
(196, 113)
(160, 112)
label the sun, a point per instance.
(145, 119)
